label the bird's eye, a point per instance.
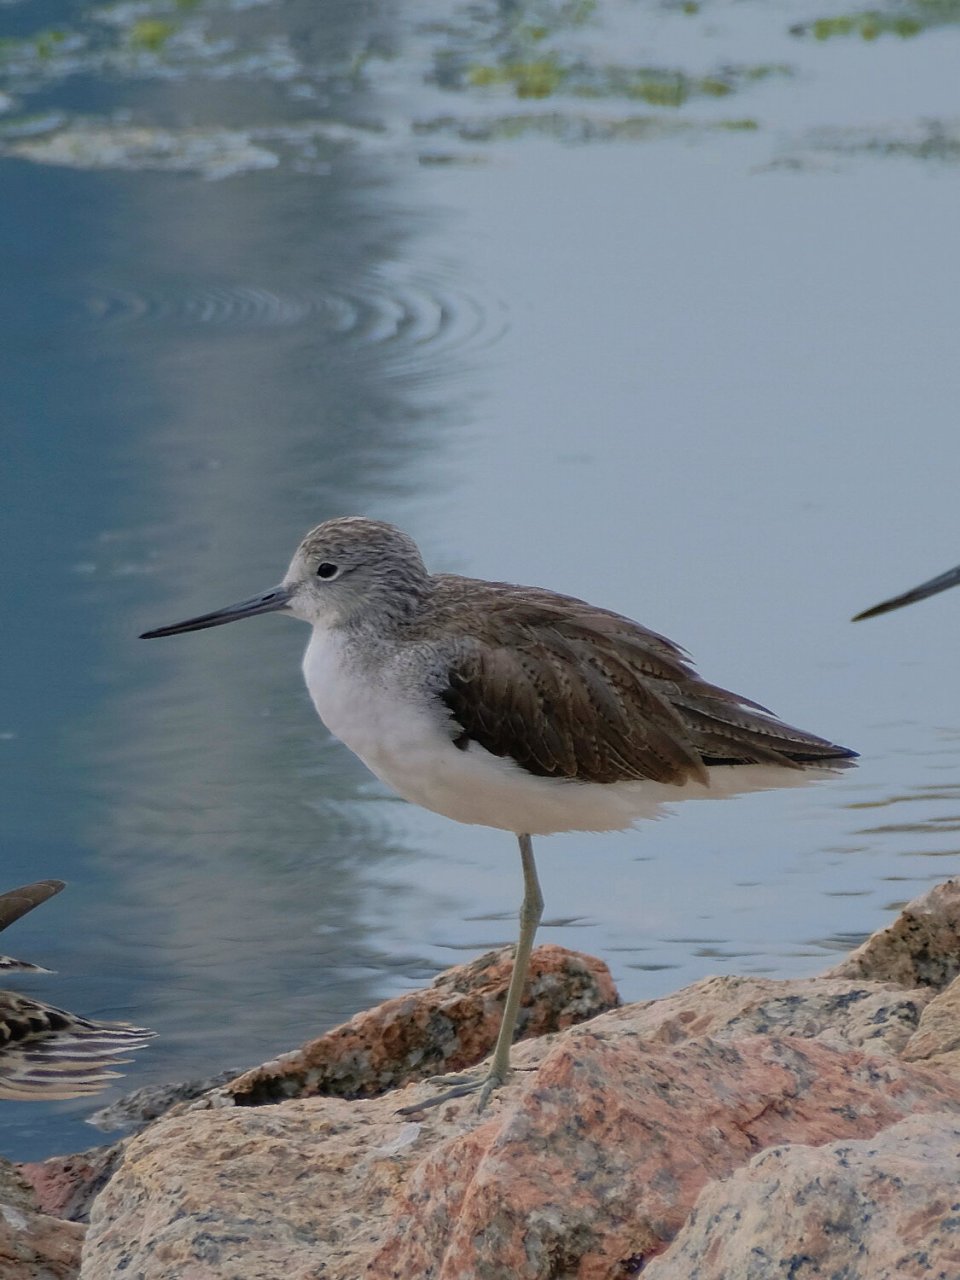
(327, 570)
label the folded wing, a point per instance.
(568, 690)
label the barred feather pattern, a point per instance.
(45, 1052)
(48, 1053)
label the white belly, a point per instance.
(402, 738)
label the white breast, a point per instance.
(399, 734)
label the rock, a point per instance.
(604, 1153)
(937, 1038)
(33, 1246)
(920, 949)
(451, 1025)
(65, 1186)
(586, 1163)
(591, 1159)
(879, 1018)
(250, 1192)
(140, 1106)
(887, 1208)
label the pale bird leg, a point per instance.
(531, 911)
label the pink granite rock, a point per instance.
(589, 1162)
(450, 1025)
(65, 1186)
(33, 1245)
(586, 1164)
(601, 1158)
(882, 1208)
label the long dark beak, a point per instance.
(949, 579)
(270, 602)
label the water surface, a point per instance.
(652, 304)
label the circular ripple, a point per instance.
(240, 307)
(410, 318)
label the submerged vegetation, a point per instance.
(150, 34)
(657, 86)
(904, 21)
(580, 67)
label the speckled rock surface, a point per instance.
(884, 1208)
(848, 1014)
(65, 1186)
(139, 1107)
(33, 1245)
(254, 1194)
(450, 1025)
(921, 948)
(937, 1037)
(587, 1163)
(607, 1148)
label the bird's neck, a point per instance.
(386, 614)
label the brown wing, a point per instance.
(567, 690)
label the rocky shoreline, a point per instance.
(739, 1129)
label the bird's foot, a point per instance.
(463, 1086)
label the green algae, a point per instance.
(48, 43)
(871, 24)
(538, 78)
(150, 34)
(658, 87)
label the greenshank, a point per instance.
(512, 707)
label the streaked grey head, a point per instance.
(353, 568)
(345, 571)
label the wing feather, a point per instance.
(570, 691)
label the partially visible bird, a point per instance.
(16, 903)
(949, 579)
(45, 1052)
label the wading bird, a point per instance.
(512, 707)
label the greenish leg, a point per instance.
(531, 910)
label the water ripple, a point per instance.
(413, 317)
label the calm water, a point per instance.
(678, 335)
